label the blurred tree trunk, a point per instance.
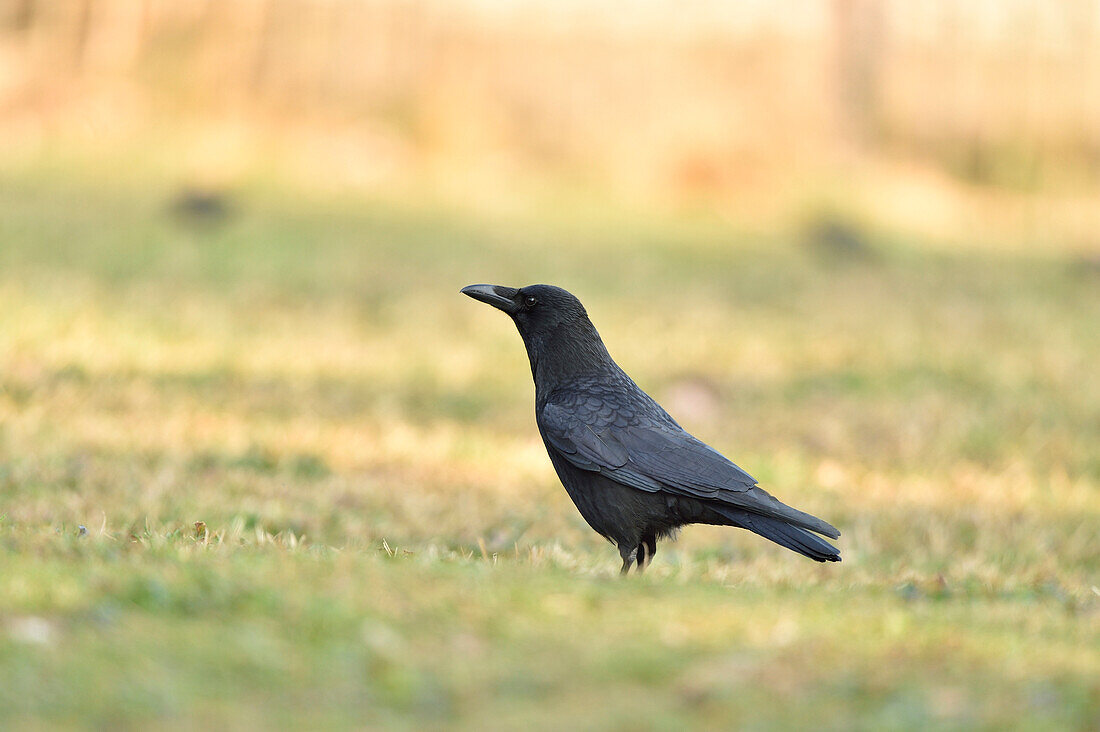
(21, 15)
(83, 32)
(860, 38)
(265, 31)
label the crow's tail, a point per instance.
(781, 532)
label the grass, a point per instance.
(383, 541)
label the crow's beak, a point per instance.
(498, 296)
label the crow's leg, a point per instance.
(645, 552)
(628, 559)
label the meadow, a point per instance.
(263, 466)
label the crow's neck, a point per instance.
(563, 354)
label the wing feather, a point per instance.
(657, 455)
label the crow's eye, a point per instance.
(530, 302)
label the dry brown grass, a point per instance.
(963, 123)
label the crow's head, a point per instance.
(561, 341)
(536, 309)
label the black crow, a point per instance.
(635, 475)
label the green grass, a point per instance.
(386, 543)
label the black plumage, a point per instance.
(635, 475)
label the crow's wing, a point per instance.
(652, 453)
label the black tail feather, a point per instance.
(782, 533)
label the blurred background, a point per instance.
(260, 463)
(962, 121)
